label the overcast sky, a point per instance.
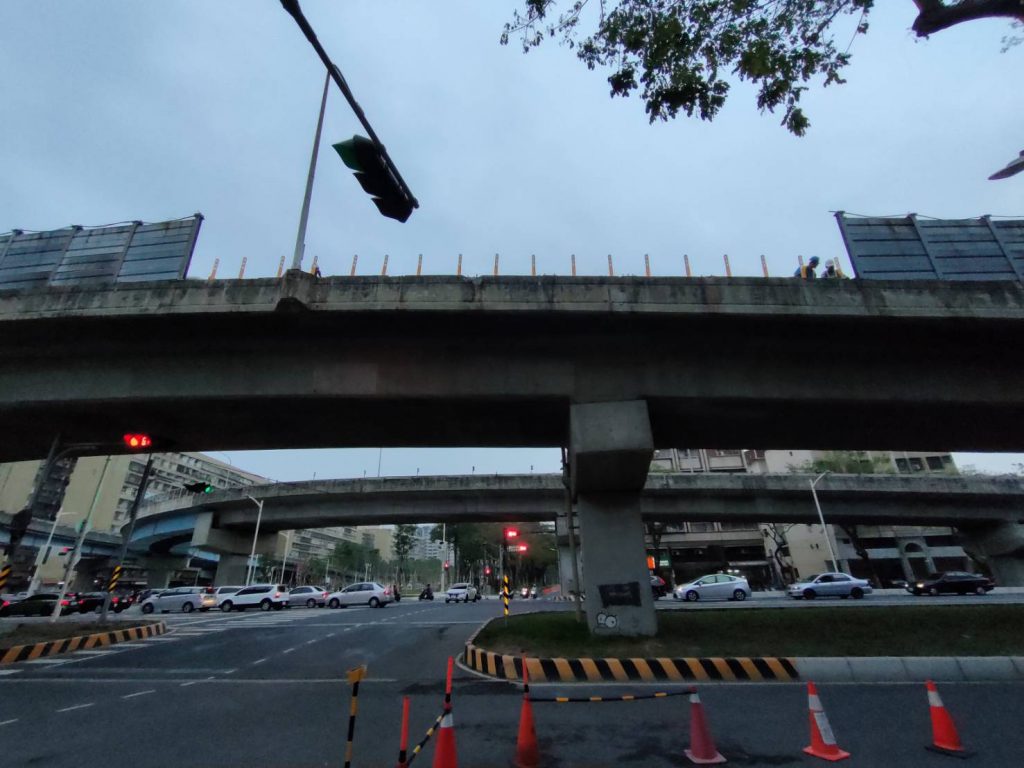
(116, 111)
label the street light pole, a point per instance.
(821, 517)
(252, 555)
(284, 561)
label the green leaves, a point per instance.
(681, 54)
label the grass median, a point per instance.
(995, 630)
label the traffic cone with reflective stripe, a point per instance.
(944, 736)
(823, 741)
(444, 752)
(702, 749)
(527, 755)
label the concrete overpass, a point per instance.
(224, 521)
(448, 361)
(608, 367)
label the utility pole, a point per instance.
(115, 575)
(43, 554)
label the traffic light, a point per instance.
(371, 171)
(446, 565)
(137, 440)
(199, 487)
(487, 570)
(511, 533)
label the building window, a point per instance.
(935, 462)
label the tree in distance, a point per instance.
(679, 54)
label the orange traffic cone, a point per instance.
(823, 742)
(527, 755)
(944, 735)
(702, 749)
(444, 752)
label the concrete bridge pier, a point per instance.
(159, 570)
(231, 570)
(232, 547)
(1000, 547)
(565, 570)
(610, 451)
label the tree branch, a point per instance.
(935, 15)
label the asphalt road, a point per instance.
(268, 689)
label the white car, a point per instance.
(222, 593)
(714, 586)
(184, 599)
(262, 596)
(461, 592)
(829, 585)
(364, 593)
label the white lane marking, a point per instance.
(330, 634)
(310, 642)
(140, 693)
(8, 722)
(186, 685)
(77, 706)
(288, 650)
(4, 672)
(260, 661)
(45, 661)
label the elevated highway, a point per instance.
(447, 361)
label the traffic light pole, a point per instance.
(76, 552)
(126, 537)
(292, 6)
(300, 240)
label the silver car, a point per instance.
(311, 597)
(829, 585)
(714, 586)
(184, 599)
(364, 593)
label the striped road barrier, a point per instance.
(80, 643)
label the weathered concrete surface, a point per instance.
(498, 361)
(610, 450)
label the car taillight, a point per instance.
(65, 602)
(387, 590)
(325, 594)
(277, 594)
(113, 599)
(6, 603)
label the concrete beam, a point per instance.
(499, 361)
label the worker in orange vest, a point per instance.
(806, 271)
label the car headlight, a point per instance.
(919, 584)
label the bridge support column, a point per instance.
(159, 570)
(565, 570)
(1001, 548)
(231, 570)
(610, 452)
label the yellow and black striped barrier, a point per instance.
(79, 643)
(5, 574)
(115, 576)
(354, 676)
(423, 742)
(505, 594)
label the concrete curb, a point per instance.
(769, 669)
(79, 643)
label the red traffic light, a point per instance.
(511, 533)
(137, 440)
(487, 571)
(446, 565)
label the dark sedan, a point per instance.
(39, 604)
(92, 602)
(951, 583)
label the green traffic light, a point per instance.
(208, 489)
